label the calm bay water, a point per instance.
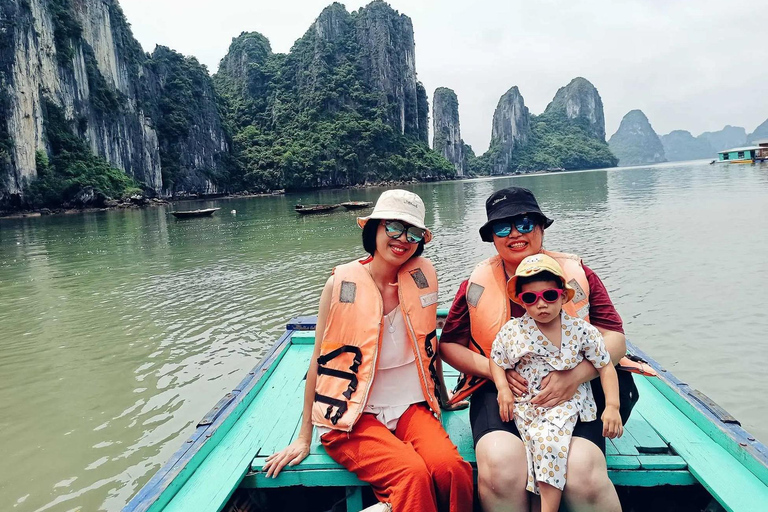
(119, 330)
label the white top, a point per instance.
(396, 384)
(521, 345)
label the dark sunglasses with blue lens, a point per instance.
(523, 224)
(395, 229)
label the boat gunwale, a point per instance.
(171, 477)
(730, 436)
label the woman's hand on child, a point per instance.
(291, 455)
(612, 426)
(517, 383)
(506, 405)
(556, 388)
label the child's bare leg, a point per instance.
(550, 497)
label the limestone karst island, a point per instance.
(87, 118)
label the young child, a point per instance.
(545, 339)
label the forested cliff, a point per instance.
(83, 107)
(569, 134)
(343, 107)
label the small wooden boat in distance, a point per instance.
(314, 208)
(194, 213)
(357, 205)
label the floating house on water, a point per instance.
(746, 155)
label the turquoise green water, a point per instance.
(119, 330)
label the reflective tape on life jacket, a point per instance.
(489, 308)
(352, 339)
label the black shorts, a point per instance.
(484, 417)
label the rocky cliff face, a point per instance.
(193, 143)
(760, 133)
(680, 145)
(446, 130)
(510, 129)
(80, 56)
(579, 101)
(635, 142)
(728, 137)
(388, 58)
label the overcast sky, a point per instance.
(685, 63)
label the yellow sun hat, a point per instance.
(533, 265)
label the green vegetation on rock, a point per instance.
(66, 30)
(554, 142)
(72, 167)
(314, 117)
(104, 97)
(560, 142)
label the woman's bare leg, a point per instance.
(502, 472)
(588, 487)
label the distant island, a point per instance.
(87, 117)
(636, 143)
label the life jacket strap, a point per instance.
(351, 377)
(332, 402)
(351, 349)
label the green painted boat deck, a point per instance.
(660, 446)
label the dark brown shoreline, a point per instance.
(148, 203)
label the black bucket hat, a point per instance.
(507, 203)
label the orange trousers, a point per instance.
(416, 468)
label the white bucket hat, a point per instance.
(399, 205)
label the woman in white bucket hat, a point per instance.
(374, 386)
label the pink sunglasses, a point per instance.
(549, 296)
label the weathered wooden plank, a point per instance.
(303, 338)
(313, 478)
(622, 462)
(456, 423)
(290, 403)
(664, 462)
(341, 477)
(648, 440)
(354, 499)
(625, 444)
(650, 478)
(710, 463)
(209, 488)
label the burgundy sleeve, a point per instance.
(456, 328)
(602, 313)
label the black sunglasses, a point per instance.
(523, 224)
(395, 229)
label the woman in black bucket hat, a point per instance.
(515, 225)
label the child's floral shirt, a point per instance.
(521, 345)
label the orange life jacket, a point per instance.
(489, 307)
(352, 339)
